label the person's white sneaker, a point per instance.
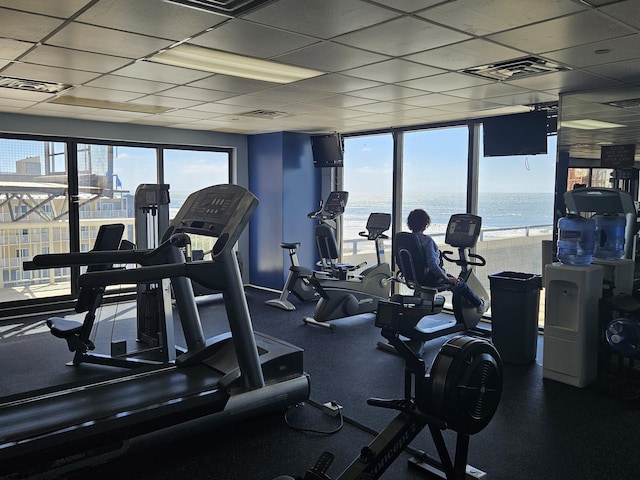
(483, 307)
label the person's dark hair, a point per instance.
(418, 220)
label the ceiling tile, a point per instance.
(565, 32)
(564, 82)
(483, 17)
(325, 19)
(161, 73)
(471, 53)
(192, 93)
(337, 83)
(486, 91)
(12, 49)
(387, 92)
(392, 71)
(341, 101)
(47, 7)
(627, 12)
(330, 57)
(161, 19)
(160, 101)
(88, 38)
(408, 6)
(48, 74)
(628, 71)
(23, 95)
(225, 83)
(402, 36)
(247, 38)
(26, 27)
(291, 93)
(59, 57)
(607, 51)
(127, 84)
(446, 81)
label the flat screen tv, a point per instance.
(518, 134)
(327, 150)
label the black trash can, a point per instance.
(515, 299)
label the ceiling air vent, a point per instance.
(515, 69)
(264, 114)
(629, 103)
(33, 85)
(228, 8)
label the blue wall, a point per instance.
(282, 176)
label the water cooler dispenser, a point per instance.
(570, 352)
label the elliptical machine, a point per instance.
(344, 295)
(424, 303)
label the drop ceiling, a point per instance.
(384, 63)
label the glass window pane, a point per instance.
(516, 203)
(368, 166)
(187, 171)
(34, 217)
(435, 179)
(108, 177)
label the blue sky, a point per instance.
(435, 160)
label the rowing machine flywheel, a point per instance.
(466, 381)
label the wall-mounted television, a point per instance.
(517, 134)
(327, 150)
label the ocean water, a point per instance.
(498, 210)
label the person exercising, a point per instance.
(418, 221)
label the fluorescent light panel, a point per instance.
(588, 124)
(215, 61)
(95, 103)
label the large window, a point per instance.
(187, 171)
(35, 197)
(515, 201)
(34, 214)
(434, 176)
(368, 179)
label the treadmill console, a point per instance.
(463, 230)
(220, 211)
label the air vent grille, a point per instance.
(228, 8)
(33, 85)
(515, 69)
(265, 114)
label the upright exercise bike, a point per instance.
(297, 282)
(425, 302)
(344, 295)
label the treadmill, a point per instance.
(233, 375)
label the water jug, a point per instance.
(576, 239)
(609, 236)
(623, 336)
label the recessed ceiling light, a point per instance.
(215, 61)
(588, 124)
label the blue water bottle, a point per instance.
(576, 239)
(609, 236)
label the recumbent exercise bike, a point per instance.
(425, 302)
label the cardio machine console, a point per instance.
(463, 230)
(220, 211)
